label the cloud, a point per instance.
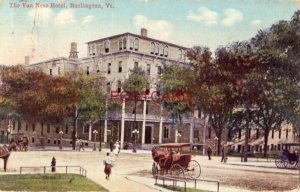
(296, 1)
(42, 14)
(160, 29)
(87, 19)
(65, 17)
(232, 16)
(255, 23)
(204, 15)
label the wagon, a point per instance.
(287, 159)
(175, 159)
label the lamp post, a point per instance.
(95, 134)
(9, 127)
(60, 133)
(135, 132)
(179, 137)
(216, 140)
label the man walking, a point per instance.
(209, 151)
(108, 164)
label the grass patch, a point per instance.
(170, 187)
(48, 182)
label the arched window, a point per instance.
(106, 46)
(124, 43)
(119, 86)
(166, 51)
(120, 44)
(152, 48)
(161, 50)
(131, 43)
(136, 44)
(156, 49)
(108, 87)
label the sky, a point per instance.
(46, 32)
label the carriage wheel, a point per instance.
(281, 162)
(194, 169)
(154, 169)
(176, 171)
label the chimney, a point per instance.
(73, 51)
(143, 32)
(27, 60)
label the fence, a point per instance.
(184, 180)
(58, 169)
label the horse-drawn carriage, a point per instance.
(175, 159)
(287, 159)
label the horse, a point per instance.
(5, 153)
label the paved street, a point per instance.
(132, 172)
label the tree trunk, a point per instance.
(266, 138)
(219, 142)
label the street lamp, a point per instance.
(179, 137)
(95, 133)
(9, 127)
(135, 132)
(60, 133)
(217, 147)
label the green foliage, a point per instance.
(136, 82)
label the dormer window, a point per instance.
(120, 66)
(161, 50)
(136, 44)
(109, 68)
(94, 49)
(166, 51)
(106, 46)
(152, 48)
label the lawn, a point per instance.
(48, 182)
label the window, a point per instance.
(156, 49)
(48, 141)
(120, 44)
(32, 139)
(108, 87)
(131, 43)
(152, 48)
(94, 49)
(158, 88)
(279, 134)
(109, 68)
(58, 70)
(58, 141)
(50, 71)
(33, 127)
(87, 70)
(86, 129)
(161, 50)
(48, 128)
(147, 107)
(54, 141)
(120, 66)
(180, 54)
(272, 134)
(158, 70)
(136, 44)
(249, 133)
(57, 130)
(278, 147)
(67, 129)
(240, 134)
(166, 132)
(257, 133)
(196, 134)
(124, 43)
(14, 125)
(148, 69)
(136, 65)
(147, 88)
(166, 51)
(106, 46)
(286, 134)
(119, 86)
(98, 68)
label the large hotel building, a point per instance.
(113, 57)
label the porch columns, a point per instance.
(160, 126)
(122, 124)
(144, 122)
(105, 130)
(176, 133)
(90, 131)
(192, 130)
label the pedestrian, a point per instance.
(209, 151)
(108, 164)
(111, 145)
(222, 155)
(117, 148)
